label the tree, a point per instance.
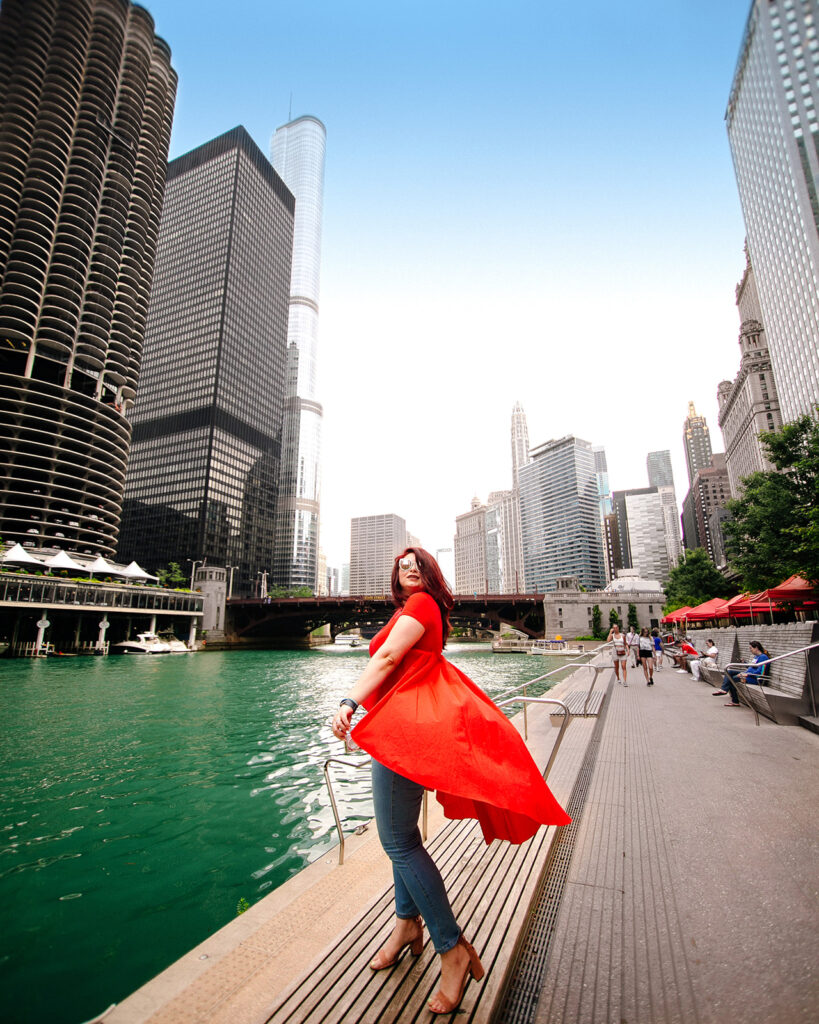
(695, 580)
(597, 622)
(172, 576)
(614, 618)
(774, 529)
(633, 621)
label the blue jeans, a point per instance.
(731, 675)
(419, 888)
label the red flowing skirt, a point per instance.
(436, 727)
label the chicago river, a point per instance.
(144, 798)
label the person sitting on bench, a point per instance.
(753, 675)
(708, 658)
(686, 651)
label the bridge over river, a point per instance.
(260, 619)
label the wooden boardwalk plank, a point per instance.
(492, 889)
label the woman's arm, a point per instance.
(406, 632)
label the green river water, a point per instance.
(143, 798)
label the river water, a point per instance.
(143, 798)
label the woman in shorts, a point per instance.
(647, 655)
(619, 652)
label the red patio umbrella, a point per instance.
(716, 608)
(678, 614)
(794, 590)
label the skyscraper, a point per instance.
(297, 152)
(661, 476)
(86, 104)
(658, 466)
(773, 130)
(375, 541)
(709, 492)
(520, 441)
(205, 458)
(512, 573)
(560, 519)
(749, 404)
(697, 442)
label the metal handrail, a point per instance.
(567, 717)
(781, 657)
(554, 671)
(360, 764)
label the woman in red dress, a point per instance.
(430, 727)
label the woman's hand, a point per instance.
(341, 721)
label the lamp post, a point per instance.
(194, 563)
(230, 583)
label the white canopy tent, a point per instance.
(17, 555)
(133, 572)
(100, 567)
(64, 561)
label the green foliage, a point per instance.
(597, 623)
(774, 529)
(289, 592)
(695, 580)
(633, 621)
(614, 618)
(242, 906)
(171, 576)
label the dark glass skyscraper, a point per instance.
(86, 103)
(205, 458)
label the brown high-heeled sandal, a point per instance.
(473, 968)
(416, 946)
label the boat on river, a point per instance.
(556, 648)
(150, 643)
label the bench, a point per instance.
(780, 698)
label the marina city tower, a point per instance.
(297, 153)
(86, 104)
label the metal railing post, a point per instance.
(567, 717)
(348, 764)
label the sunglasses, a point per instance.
(406, 564)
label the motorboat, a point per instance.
(176, 645)
(145, 643)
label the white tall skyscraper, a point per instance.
(513, 545)
(773, 129)
(297, 153)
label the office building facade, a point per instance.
(207, 424)
(375, 542)
(749, 404)
(297, 152)
(86, 103)
(697, 443)
(560, 521)
(773, 130)
(638, 538)
(709, 492)
(661, 476)
(477, 554)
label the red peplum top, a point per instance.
(430, 723)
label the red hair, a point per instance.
(434, 584)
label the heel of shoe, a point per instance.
(475, 965)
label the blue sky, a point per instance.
(532, 201)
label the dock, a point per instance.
(685, 890)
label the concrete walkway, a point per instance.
(688, 888)
(692, 891)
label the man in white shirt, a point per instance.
(633, 641)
